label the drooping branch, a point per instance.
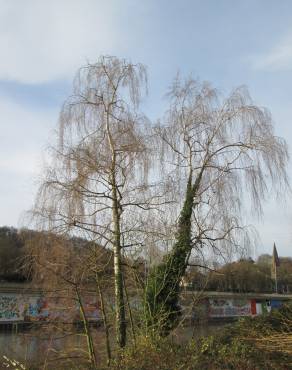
(225, 148)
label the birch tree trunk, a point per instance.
(121, 329)
(119, 293)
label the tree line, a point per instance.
(15, 252)
(243, 276)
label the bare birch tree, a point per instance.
(224, 151)
(98, 170)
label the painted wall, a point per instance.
(17, 307)
(11, 308)
(229, 307)
(22, 307)
(240, 307)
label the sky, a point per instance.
(226, 42)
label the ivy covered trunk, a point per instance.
(162, 308)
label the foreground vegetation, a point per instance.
(252, 343)
(264, 342)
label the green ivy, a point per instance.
(163, 286)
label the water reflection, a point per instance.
(36, 347)
(64, 349)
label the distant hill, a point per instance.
(13, 252)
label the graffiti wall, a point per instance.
(21, 307)
(35, 309)
(11, 308)
(91, 308)
(229, 307)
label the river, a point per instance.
(38, 346)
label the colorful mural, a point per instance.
(276, 304)
(91, 308)
(229, 307)
(36, 309)
(16, 307)
(11, 308)
(28, 308)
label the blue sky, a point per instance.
(228, 42)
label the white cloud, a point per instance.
(23, 135)
(278, 58)
(45, 40)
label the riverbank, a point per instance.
(258, 343)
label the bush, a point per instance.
(234, 348)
